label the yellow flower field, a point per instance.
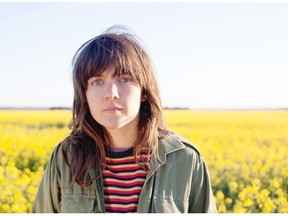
(246, 152)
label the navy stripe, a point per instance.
(122, 154)
(125, 178)
(122, 163)
(123, 211)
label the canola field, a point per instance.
(246, 152)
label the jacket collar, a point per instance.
(166, 146)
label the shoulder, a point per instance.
(61, 148)
(174, 144)
(176, 141)
(64, 149)
(189, 146)
(60, 154)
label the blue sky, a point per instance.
(207, 55)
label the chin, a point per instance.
(112, 126)
(120, 123)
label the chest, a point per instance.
(123, 180)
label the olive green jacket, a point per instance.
(178, 181)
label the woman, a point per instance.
(119, 156)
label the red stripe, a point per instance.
(108, 191)
(113, 161)
(137, 175)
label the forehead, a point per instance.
(111, 70)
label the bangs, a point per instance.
(101, 53)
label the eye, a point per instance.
(126, 79)
(97, 82)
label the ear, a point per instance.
(143, 98)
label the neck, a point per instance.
(122, 140)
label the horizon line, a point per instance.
(164, 108)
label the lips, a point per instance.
(112, 109)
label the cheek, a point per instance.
(91, 98)
(135, 102)
(135, 95)
(88, 98)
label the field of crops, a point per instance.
(246, 152)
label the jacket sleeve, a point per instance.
(201, 196)
(48, 197)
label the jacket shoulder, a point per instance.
(57, 158)
(188, 145)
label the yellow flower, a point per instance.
(233, 186)
(219, 195)
(222, 208)
(4, 160)
(242, 195)
(275, 183)
(5, 208)
(238, 208)
(265, 192)
(269, 206)
(228, 201)
(248, 203)
(283, 209)
(256, 183)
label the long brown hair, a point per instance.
(90, 139)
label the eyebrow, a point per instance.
(103, 74)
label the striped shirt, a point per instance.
(123, 181)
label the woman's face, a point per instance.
(114, 102)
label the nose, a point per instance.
(112, 92)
